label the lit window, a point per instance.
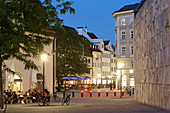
(123, 21)
(123, 35)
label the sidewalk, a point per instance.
(88, 105)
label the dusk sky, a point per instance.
(97, 15)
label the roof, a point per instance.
(127, 7)
(88, 54)
(84, 37)
(106, 42)
(106, 49)
(97, 50)
(91, 35)
(67, 28)
(139, 6)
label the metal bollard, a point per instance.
(72, 94)
(98, 93)
(81, 93)
(90, 93)
(114, 92)
(122, 93)
(130, 93)
(64, 93)
(107, 93)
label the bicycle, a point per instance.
(43, 101)
(56, 98)
(66, 100)
(5, 101)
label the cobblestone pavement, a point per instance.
(88, 105)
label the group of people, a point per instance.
(29, 96)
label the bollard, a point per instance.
(90, 93)
(114, 92)
(107, 93)
(122, 93)
(72, 94)
(130, 93)
(64, 93)
(81, 93)
(98, 93)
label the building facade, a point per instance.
(124, 45)
(102, 58)
(152, 53)
(23, 80)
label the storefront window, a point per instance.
(124, 80)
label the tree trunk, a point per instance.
(1, 85)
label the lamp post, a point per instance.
(43, 58)
(120, 67)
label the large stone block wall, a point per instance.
(152, 53)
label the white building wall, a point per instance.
(29, 76)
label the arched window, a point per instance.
(39, 76)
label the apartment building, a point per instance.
(124, 45)
(102, 57)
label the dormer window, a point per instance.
(123, 21)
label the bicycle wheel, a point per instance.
(58, 99)
(62, 101)
(47, 101)
(68, 102)
(40, 101)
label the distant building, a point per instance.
(102, 58)
(124, 45)
(152, 53)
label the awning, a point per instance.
(77, 78)
(87, 78)
(67, 78)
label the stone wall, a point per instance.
(152, 53)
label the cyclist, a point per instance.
(47, 94)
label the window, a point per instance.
(132, 64)
(89, 60)
(102, 45)
(111, 60)
(123, 21)
(131, 34)
(111, 68)
(131, 50)
(123, 50)
(123, 35)
(131, 20)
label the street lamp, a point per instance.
(120, 66)
(43, 58)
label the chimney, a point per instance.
(80, 30)
(62, 22)
(86, 28)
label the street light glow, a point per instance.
(43, 57)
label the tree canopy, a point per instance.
(70, 48)
(32, 16)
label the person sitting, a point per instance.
(14, 98)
